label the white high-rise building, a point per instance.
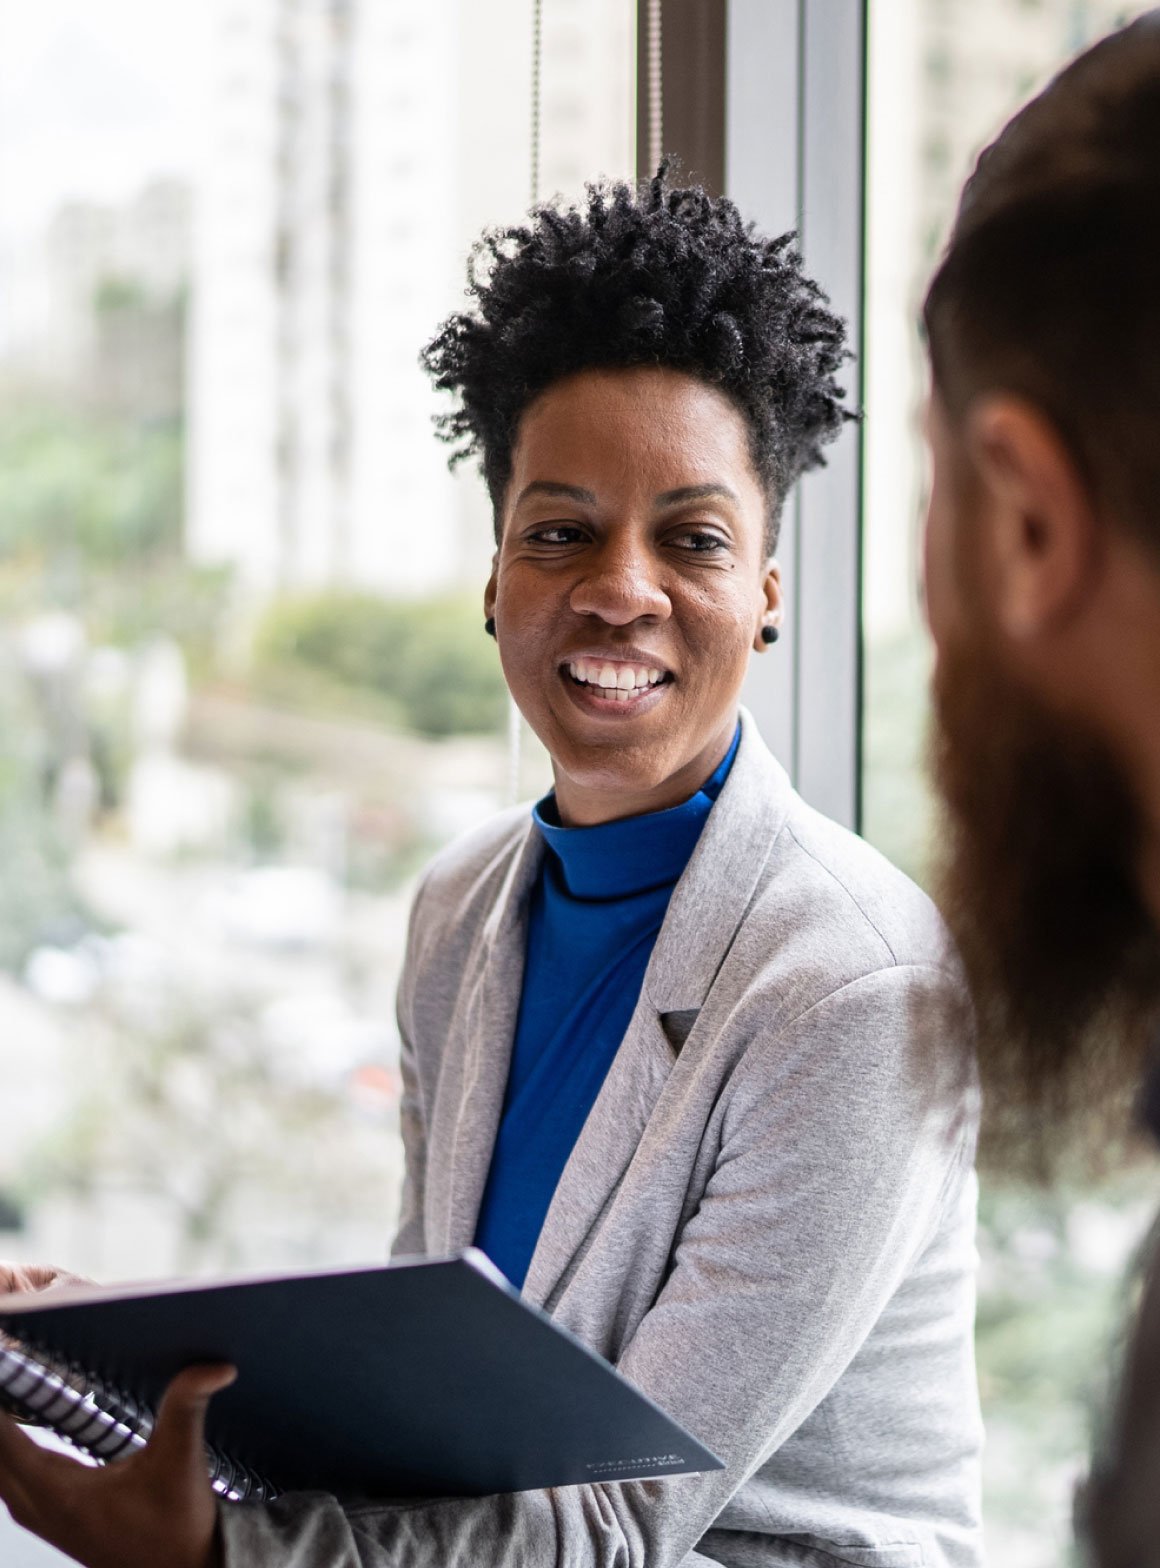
(944, 75)
(355, 150)
(54, 279)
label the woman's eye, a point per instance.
(700, 541)
(556, 533)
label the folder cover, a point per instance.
(429, 1378)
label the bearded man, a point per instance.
(1043, 595)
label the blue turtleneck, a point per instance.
(596, 909)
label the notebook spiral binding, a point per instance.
(102, 1420)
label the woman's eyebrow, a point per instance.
(561, 492)
(695, 493)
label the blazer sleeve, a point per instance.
(843, 1144)
(410, 1239)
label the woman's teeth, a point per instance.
(621, 682)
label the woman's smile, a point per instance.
(616, 685)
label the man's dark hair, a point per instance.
(1050, 285)
(646, 276)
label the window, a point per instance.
(1051, 1264)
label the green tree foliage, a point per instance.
(37, 900)
(89, 489)
(898, 811)
(428, 658)
(91, 517)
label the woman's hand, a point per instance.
(154, 1508)
(36, 1276)
(21, 1277)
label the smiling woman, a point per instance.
(683, 1057)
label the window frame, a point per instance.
(782, 130)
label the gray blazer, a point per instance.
(767, 1222)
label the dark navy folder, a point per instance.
(423, 1378)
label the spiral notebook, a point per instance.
(421, 1378)
(101, 1422)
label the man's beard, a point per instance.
(1036, 875)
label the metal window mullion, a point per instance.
(829, 672)
(794, 158)
(762, 175)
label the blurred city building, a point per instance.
(356, 147)
(944, 75)
(102, 291)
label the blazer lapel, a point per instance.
(603, 1150)
(710, 900)
(706, 908)
(486, 1024)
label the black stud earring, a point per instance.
(489, 626)
(769, 634)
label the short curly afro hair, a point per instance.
(647, 276)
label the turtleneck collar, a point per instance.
(614, 860)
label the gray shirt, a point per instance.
(767, 1222)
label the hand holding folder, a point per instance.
(424, 1378)
(156, 1506)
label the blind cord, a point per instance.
(654, 61)
(515, 725)
(537, 66)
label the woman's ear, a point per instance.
(772, 609)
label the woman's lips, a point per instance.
(648, 687)
(624, 673)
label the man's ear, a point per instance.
(772, 611)
(1041, 535)
(491, 590)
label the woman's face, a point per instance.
(630, 584)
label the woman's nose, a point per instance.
(620, 584)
